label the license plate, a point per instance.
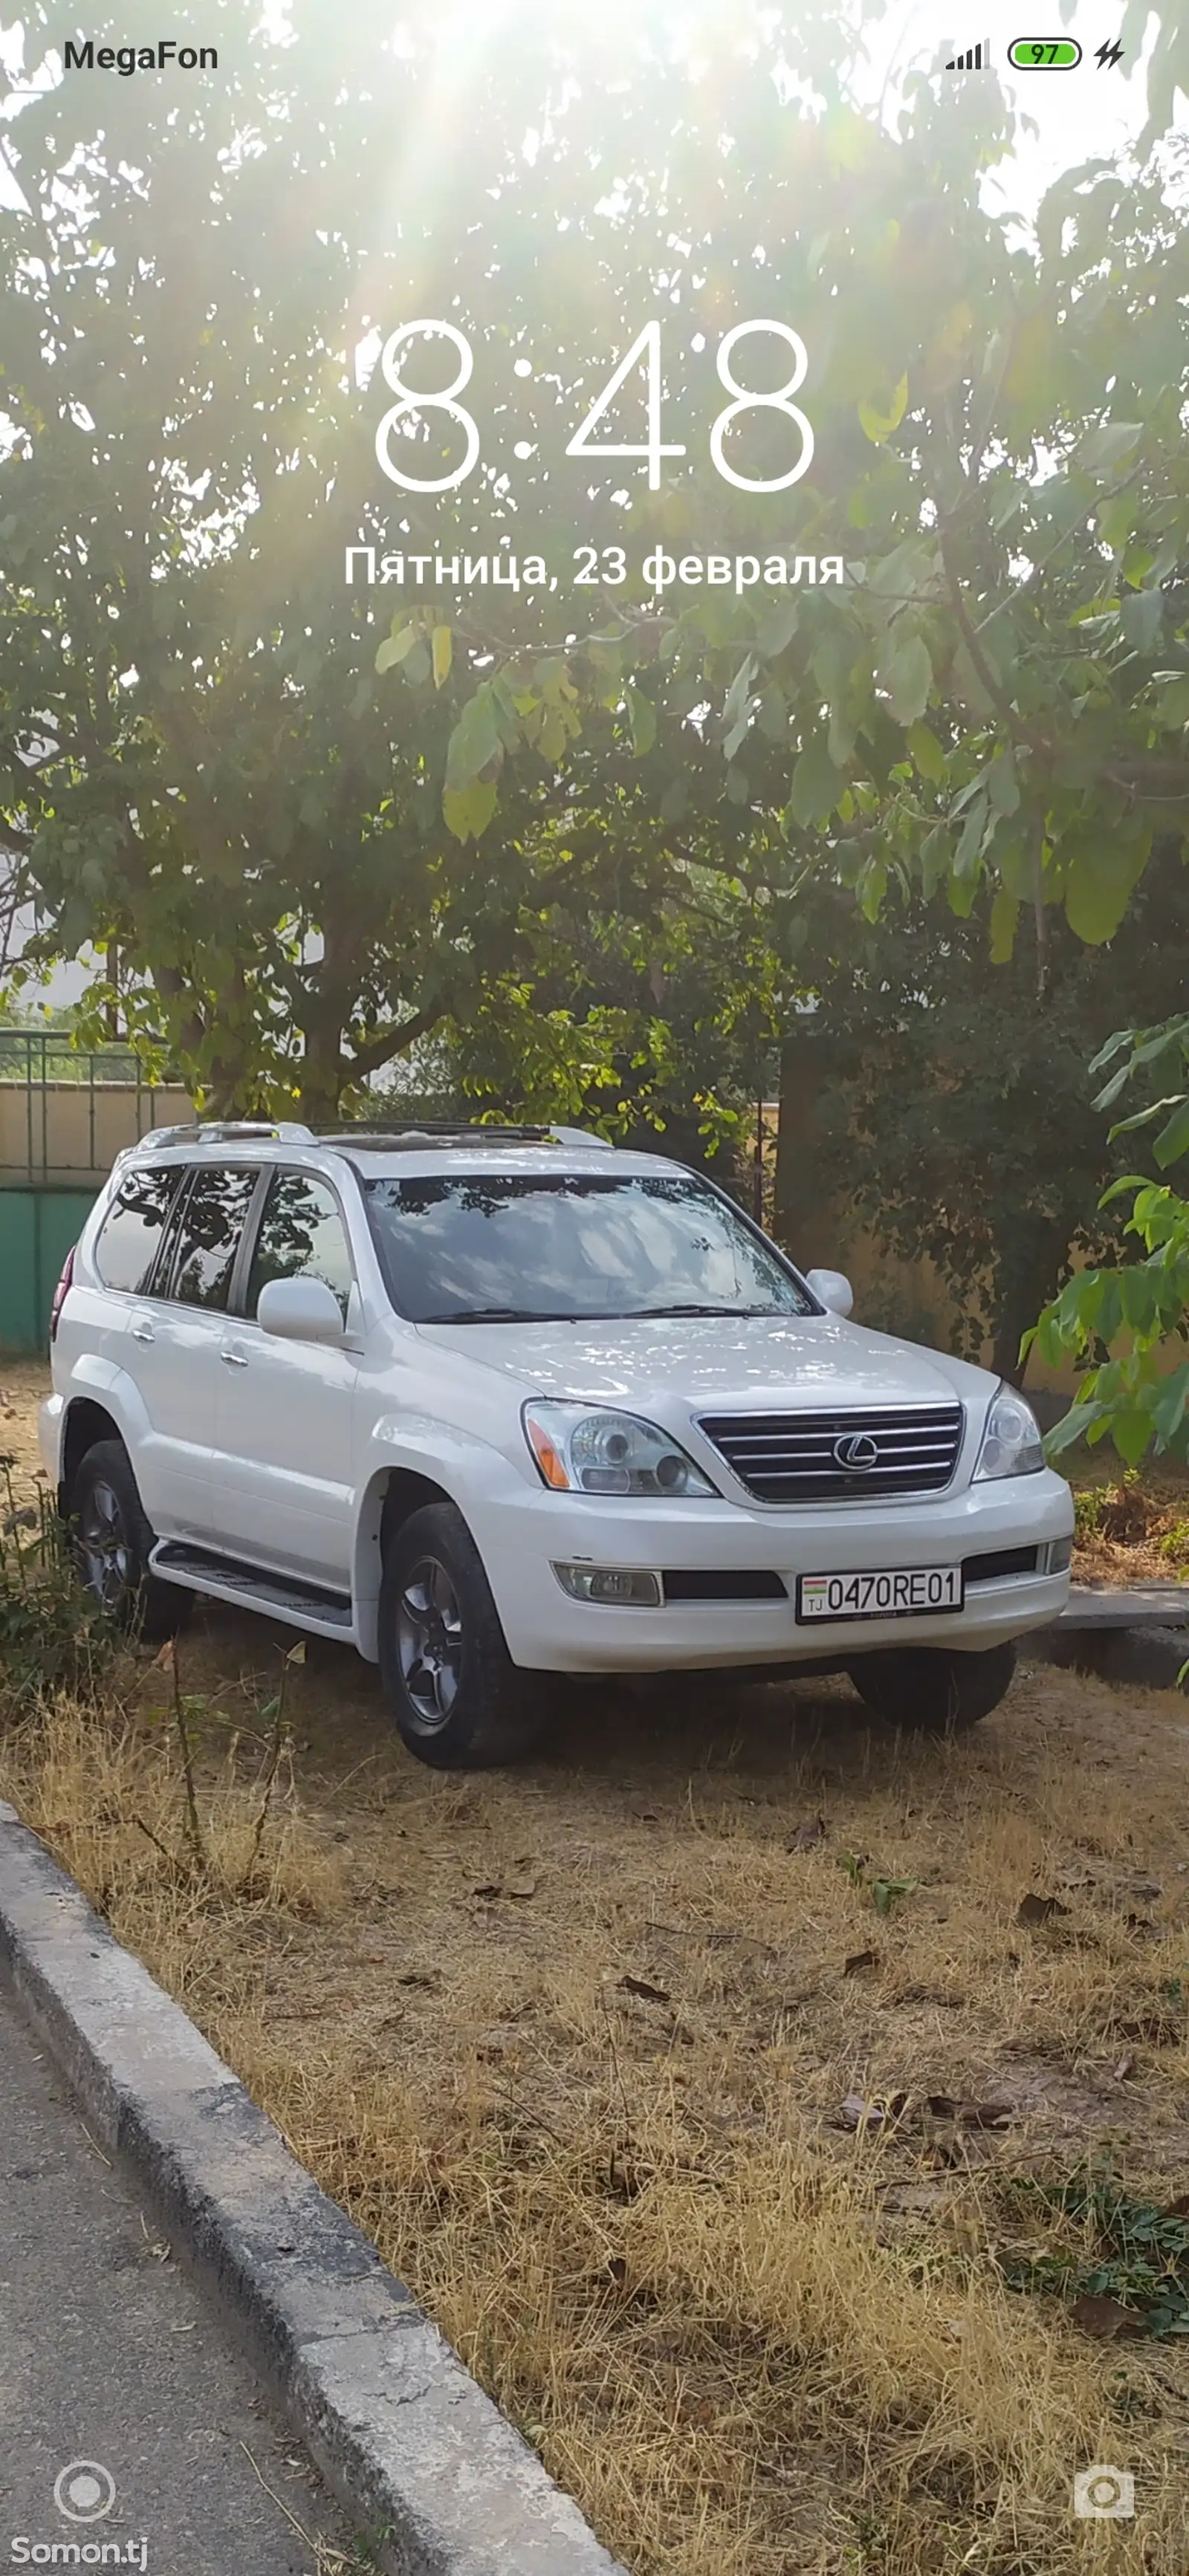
(906, 1592)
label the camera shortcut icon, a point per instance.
(84, 2491)
(1103, 2494)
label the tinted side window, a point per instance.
(209, 1231)
(133, 1227)
(302, 1236)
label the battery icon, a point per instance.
(1052, 54)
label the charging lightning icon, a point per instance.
(1108, 54)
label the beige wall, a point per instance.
(72, 1131)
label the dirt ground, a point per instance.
(700, 2075)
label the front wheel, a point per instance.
(459, 1701)
(110, 1541)
(932, 1688)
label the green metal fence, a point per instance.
(54, 1105)
(65, 1112)
(37, 1228)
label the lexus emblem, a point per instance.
(856, 1452)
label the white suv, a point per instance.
(496, 1404)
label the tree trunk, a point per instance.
(799, 1209)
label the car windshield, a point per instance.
(502, 1247)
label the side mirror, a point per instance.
(300, 1310)
(833, 1288)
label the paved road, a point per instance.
(109, 2355)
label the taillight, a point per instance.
(65, 1276)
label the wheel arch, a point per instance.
(87, 1421)
(390, 1498)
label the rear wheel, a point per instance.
(459, 1701)
(110, 1540)
(931, 1688)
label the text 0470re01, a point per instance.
(888, 1594)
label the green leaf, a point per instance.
(442, 652)
(1169, 1410)
(1003, 787)
(396, 646)
(641, 719)
(1005, 913)
(817, 785)
(1140, 619)
(927, 753)
(1097, 891)
(1104, 451)
(1131, 1433)
(907, 676)
(467, 811)
(880, 419)
(475, 740)
(1173, 1139)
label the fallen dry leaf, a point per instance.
(1039, 1909)
(857, 2113)
(913, 2199)
(969, 2115)
(807, 1835)
(1105, 2318)
(860, 1959)
(640, 1986)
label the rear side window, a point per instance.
(209, 1231)
(302, 1236)
(131, 1232)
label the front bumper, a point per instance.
(524, 1534)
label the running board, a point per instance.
(249, 1587)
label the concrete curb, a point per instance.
(424, 2463)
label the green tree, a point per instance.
(309, 863)
(952, 1112)
(1127, 1325)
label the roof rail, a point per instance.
(429, 1131)
(215, 1131)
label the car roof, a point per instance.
(412, 1152)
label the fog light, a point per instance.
(619, 1584)
(1056, 1556)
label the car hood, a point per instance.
(761, 1361)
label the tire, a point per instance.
(459, 1701)
(932, 1689)
(110, 1540)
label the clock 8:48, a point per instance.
(645, 352)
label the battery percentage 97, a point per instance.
(1056, 54)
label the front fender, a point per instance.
(458, 1463)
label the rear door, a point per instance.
(175, 1336)
(286, 1413)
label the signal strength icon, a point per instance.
(977, 58)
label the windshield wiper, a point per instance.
(497, 1315)
(639, 1313)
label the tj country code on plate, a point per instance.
(896, 1594)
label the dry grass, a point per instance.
(751, 2342)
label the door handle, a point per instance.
(143, 1333)
(234, 1359)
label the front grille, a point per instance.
(791, 1457)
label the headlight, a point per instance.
(1011, 1441)
(579, 1450)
